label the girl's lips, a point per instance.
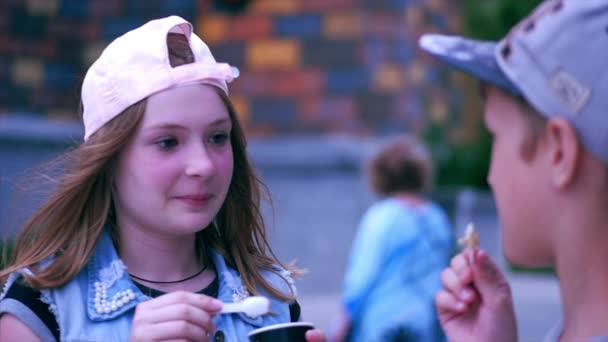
(195, 200)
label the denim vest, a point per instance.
(99, 303)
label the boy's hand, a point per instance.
(476, 303)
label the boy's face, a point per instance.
(519, 185)
(174, 174)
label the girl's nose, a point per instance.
(199, 164)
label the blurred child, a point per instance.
(402, 244)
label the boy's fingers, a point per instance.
(459, 262)
(454, 284)
(447, 302)
(489, 279)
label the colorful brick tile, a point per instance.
(414, 17)
(328, 6)
(212, 28)
(384, 25)
(141, 8)
(250, 27)
(81, 30)
(415, 74)
(73, 8)
(60, 75)
(61, 114)
(27, 73)
(439, 22)
(44, 50)
(232, 52)
(91, 52)
(273, 54)
(376, 51)
(254, 83)
(347, 80)
(402, 52)
(15, 97)
(327, 108)
(438, 109)
(298, 26)
(25, 26)
(275, 6)
(183, 8)
(299, 83)
(42, 7)
(114, 27)
(331, 53)
(278, 111)
(105, 8)
(241, 106)
(437, 6)
(374, 108)
(340, 25)
(389, 78)
(381, 5)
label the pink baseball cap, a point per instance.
(136, 65)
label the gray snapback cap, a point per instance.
(556, 58)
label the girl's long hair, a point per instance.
(69, 224)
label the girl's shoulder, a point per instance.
(25, 302)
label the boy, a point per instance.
(546, 104)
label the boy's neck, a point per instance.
(583, 273)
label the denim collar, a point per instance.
(111, 292)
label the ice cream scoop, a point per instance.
(252, 306)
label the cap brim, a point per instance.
(473, 57)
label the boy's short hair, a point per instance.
(555, 59)
(403, 165)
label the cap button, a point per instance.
(234, 72)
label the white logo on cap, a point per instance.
(572, 92)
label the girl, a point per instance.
(157, 219)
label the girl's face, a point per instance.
(174, 174)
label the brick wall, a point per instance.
(307, 66)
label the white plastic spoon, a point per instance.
(252, 306)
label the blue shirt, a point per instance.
(394, 272)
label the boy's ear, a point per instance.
(565, 151)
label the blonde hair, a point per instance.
(69, 224)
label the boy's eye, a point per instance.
(167, 143)
(219, 138)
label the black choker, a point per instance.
(169, 282)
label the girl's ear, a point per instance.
(565, 151)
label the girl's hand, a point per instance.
(476, 303)
(177, 315)
(315, 335)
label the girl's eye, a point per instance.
(219, 138)
(167, 143)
